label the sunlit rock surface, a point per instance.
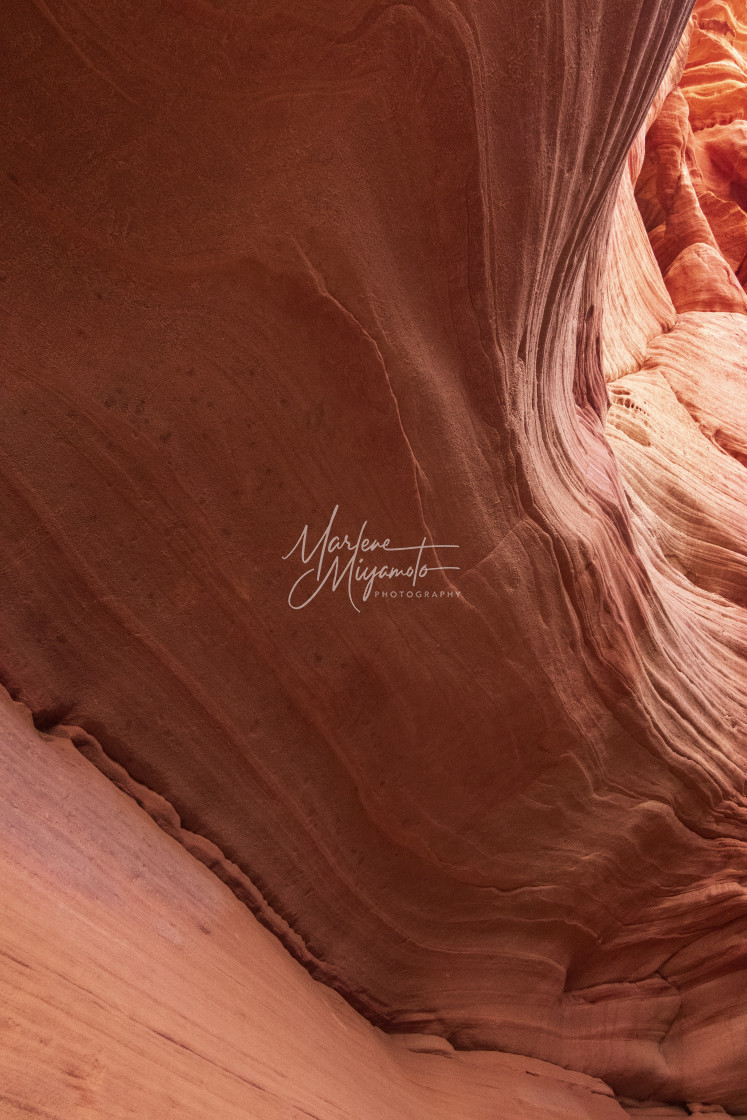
(135, 984)
(470, 274)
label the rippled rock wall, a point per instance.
(470, 274)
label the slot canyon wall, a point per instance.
(467, 272)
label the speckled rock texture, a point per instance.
(470, 274)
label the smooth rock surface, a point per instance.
(264, 262)
(134, 984)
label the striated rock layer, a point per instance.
(265, 262)
(135, 984)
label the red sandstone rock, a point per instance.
(699, 279)
(637, 305)
(728, 224)
(722, 157)
(712, 380)
(135, 985)
(268, 262)
(714, 82)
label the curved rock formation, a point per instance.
(460, 273)
(96, 892)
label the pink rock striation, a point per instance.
(136, 984)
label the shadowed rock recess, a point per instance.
(471, 272)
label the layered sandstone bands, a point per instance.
(676, 424)
(266, 263)
(134, 983)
